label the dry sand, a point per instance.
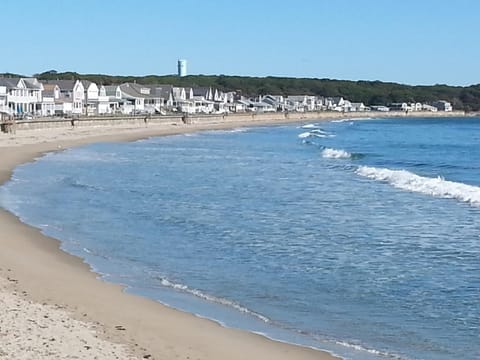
(54, 307)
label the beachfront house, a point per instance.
(116, 104)
(380, 108)
(23, 96)
(204, 93)
(426, 107)
(103, 101)
(203, 98)
(3, 100)
(320, 103)
(50, 93)
(301, 103)
(70, 97)
(399, 107)
(90, 97)
(235, 107)
(276, 101)
(358, 107)
(165, 94)
(442, 105)
(149, 99)
(416, 106)
(335, 103)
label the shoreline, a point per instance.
(36, 267)
(50, 276)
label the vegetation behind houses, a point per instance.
(368, 92)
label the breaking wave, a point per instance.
(315, 133)
(214, 299)
(310, 126)
(336, 154)
(437, 187)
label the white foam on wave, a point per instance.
(214, 299)
(319, 131)
(336, 154)
(304, 135)
(438, 187)
(351, 119)
(315, 133)
(310, 126)
(368, 350)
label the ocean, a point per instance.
(358, 237)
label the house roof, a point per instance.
(177, 91)
(32, 83)
(201, 91)
(49, 87)
(161, 91)
(134, 90)
(64, 85)
(9, 82)
(111, 90)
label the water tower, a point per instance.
(182, 67)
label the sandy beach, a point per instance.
(55, 307)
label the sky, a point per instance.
(417, 42)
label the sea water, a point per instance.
(358, 237)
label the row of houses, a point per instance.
(305, 103)
(29, 97)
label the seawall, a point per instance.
(113, 121)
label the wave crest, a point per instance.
(214, 299)
(336, 154)
(315, 133)
(437, 187)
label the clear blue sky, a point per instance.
(406, 41)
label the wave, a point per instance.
(304, 135)
(368, 350)
(315, 133)
(351, 119)
(437, 187)
(214, 299)
(309, 126)
(336, 154)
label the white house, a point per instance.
(165, 94)
(416, 106)
(51, 92)
(301, 102)
(71, 97)
(135, 94)
(276, 101)
(103, 101)
(147, 99)
(23, 95)
(3, 100)
(91, 93)
(114, 97)
(335, 103)
(204, 93)
(358, 107)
